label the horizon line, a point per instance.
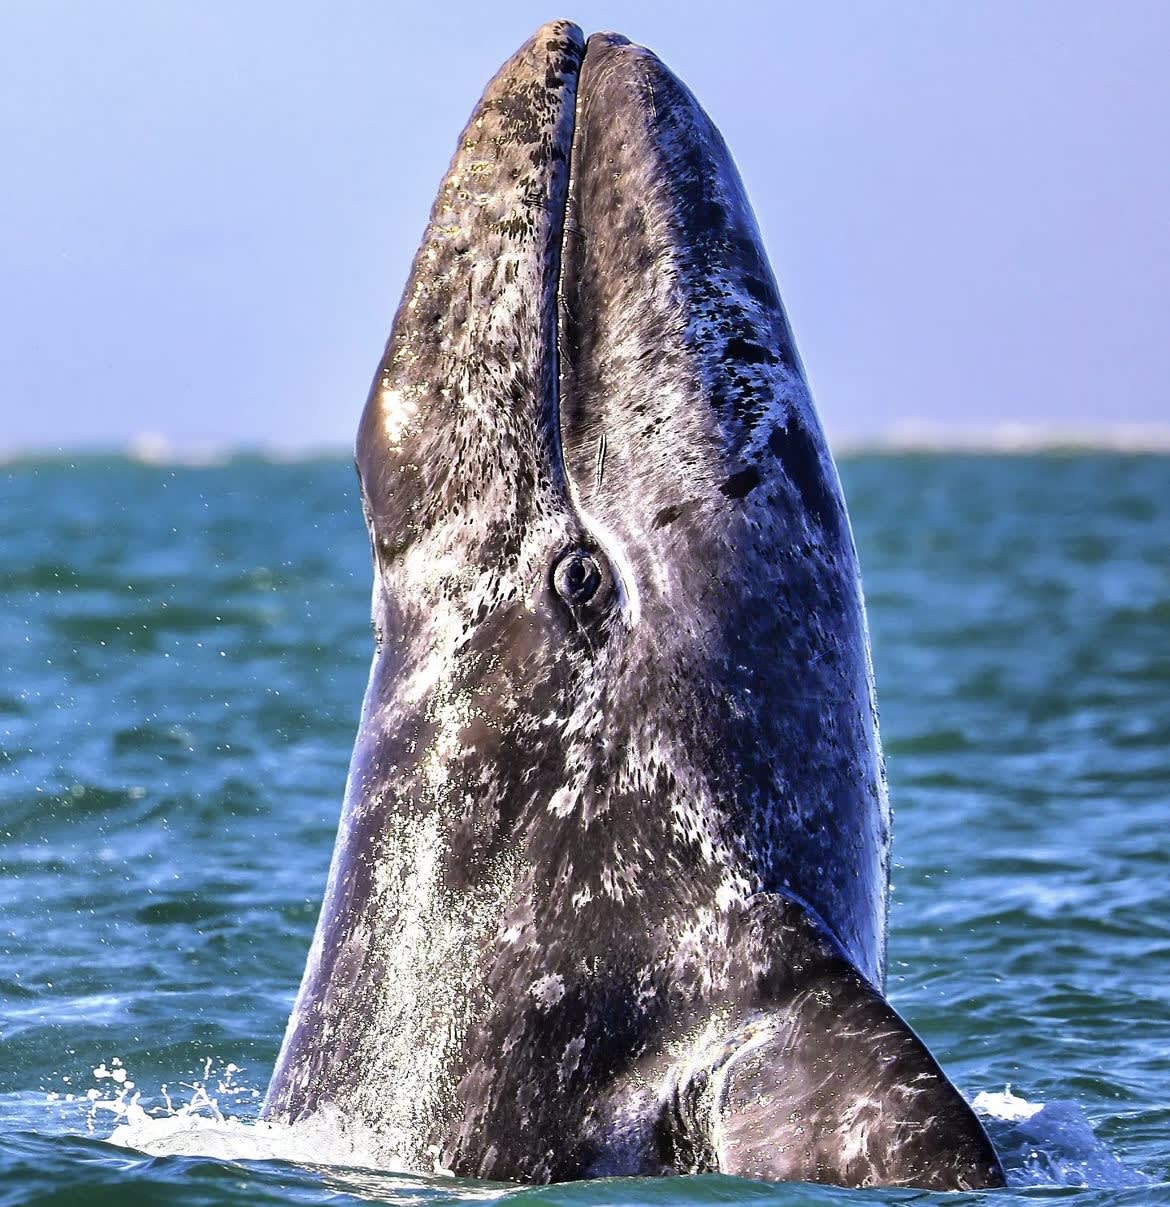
(153, 448)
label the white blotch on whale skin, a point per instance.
(561, 802)
(571, 1058)
(451, 713)
(548, 990)
(398, 410)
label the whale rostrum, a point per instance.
(610, 884)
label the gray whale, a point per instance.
(610, 884)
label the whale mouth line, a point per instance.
(559, 235)
(565, 229)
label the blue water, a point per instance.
(184, 652)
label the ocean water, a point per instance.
(183, 655)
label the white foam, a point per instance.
(1051, 1144)
(215, 1120)
(1003, 1104)
(317, 1141)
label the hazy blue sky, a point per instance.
(207, 210)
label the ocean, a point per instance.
(184, 654)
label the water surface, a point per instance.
(184, 652)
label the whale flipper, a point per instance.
(827, 1084)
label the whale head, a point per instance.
(613, 569)
(620, 712)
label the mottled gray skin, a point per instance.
(609, 890)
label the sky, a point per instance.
(208, 210)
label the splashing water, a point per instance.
(217, 1119)
(1051, 1144)
(1047, 1145)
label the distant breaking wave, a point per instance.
(1006, 438)
(153, 448)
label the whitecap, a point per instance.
(1051, 1144)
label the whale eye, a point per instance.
(577, 577)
